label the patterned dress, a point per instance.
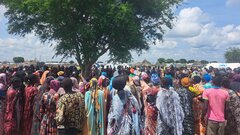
(186, 98)
(36, 112)
(48, 111)
(71, 111)
(124, 116)
(30, 93)
(2, 106)
(12, 113)
(94, 101)
(233, 114)
(170, 113)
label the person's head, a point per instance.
(217, 80)
(55, 85)
(16, 83)
(155, 79)
(119, 82)
(185, 82)
(226, 83)
(196, 79)
(32, 79)
(166, 82)
(67, 85)
(207, 78)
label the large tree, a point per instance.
(87, 29)
(18, 59)
(169, 60)
(161, 60)
(183, 61)
(232, 55)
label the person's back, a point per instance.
(216, 100)
(71, 109)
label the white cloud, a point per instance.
(188, 23)
(166, 44)
(194, 36)
(233, 3)
(29, 47)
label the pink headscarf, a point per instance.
(75, 84)
(55, 85)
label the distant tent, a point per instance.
(146, 63)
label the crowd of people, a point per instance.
(119, 101)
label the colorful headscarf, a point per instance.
(55, 85)
(207, 77)
(155, 79)
(185, 82)
(60, 73)
(75, 83)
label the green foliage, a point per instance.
(18, 59)
(190, 61)
(183, 61)
(232, 55)
(87, 29)
(161, 60)
(204, 62)
(170, 61)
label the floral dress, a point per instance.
(233, 114)
(30, 93)
(48, 111)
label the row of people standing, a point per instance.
(134, 104)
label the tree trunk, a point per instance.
(87, 70)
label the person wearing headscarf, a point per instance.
(232, 109)
(70, 110)
(124, 115)
(48, 109)
(207, 80)
(94, 100)
(150, 106)
(3, 88)
(103, 83)
(37, 116)
(186, 99)
(30, 93)
(170, 113)
(13, 113)
(75, 84)
(198, 105)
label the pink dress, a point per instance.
(30, 93)
(12, 113)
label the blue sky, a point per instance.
(204, 29)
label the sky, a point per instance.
(202, 30)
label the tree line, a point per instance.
(169, 60)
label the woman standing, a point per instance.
(48, 110)
(3, 88)
(37, 116)
(170, 113)
(13, 113)
(94, 101)
(186, 99)
(232, 108)
(124, 115)
(30, 93)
